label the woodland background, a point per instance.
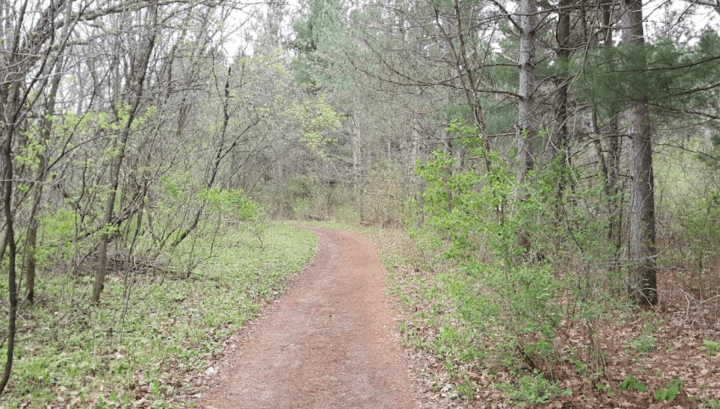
(560, 158)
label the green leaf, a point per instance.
(630, 383)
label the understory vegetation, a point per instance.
(476, 341)
(152, 340)
(489, 324)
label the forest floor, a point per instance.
(330, 342)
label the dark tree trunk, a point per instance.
(613, 179)
(9, 118)
(611, 171)
(562, 137)
(564, 52)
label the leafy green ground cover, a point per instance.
(151, 340)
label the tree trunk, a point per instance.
(356, 142)
(562, 137)
(562, 35)
(137, 81)
(466, 76)
(31, 243)
(613, 178)
(613, 158)
(471, 91)
(220, 153)
(9, 119)
(527, 121)
(642, 284)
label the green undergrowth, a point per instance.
(434, 319)
(456, 323)
(477, 279)
(155, 333)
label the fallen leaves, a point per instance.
(677, 351)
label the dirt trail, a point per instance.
(328, 343)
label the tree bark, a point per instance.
(562, 137)
(613, 158)
(9, 118)
(562, 34)
(613, 178)
(527, 121)
(642, 285)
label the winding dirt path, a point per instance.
(328, 343)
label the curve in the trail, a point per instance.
(328, 343)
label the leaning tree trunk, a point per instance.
(220, 153)
(471, 91)
(9, 118)
(642, 285)
(137, 81)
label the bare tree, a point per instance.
(136, 81)
(31, 43)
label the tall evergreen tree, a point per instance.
(642, 244)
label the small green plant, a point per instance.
(711, 348)
(155, 388)
(466, 388)
(646, 314)
(533, 389)
(630, 382)
(605, 388)
(580, 366)
(669, 394)
(710, 404)
(643, 344)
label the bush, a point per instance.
(515, 266)
(469, 216)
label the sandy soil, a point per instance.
(330, 342)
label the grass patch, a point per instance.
(153, 335)
(532, 390)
